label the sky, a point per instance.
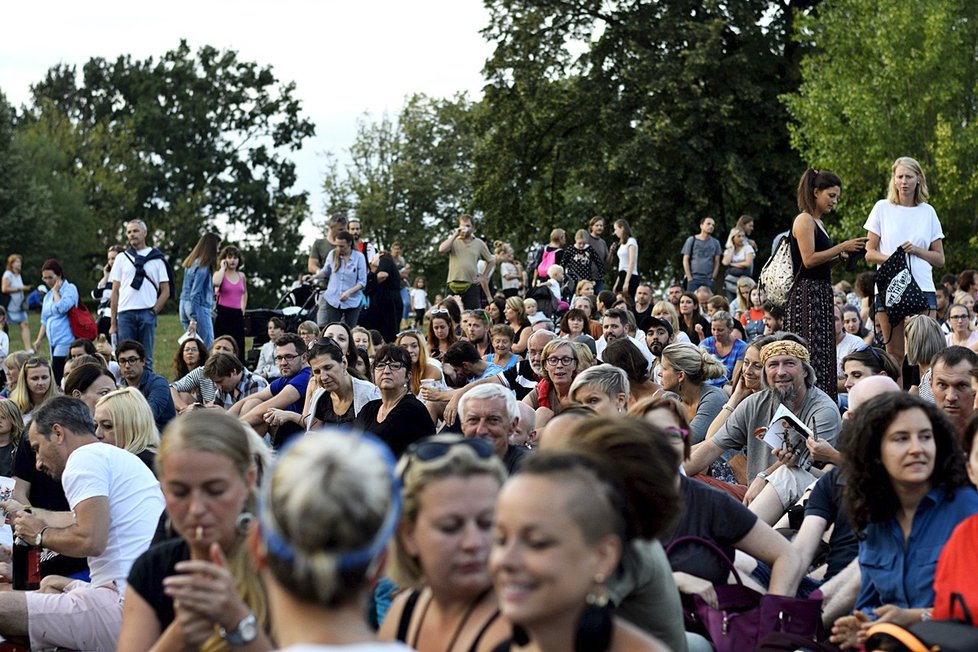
(346, 58)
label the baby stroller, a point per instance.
(296, 306)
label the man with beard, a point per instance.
(613, 324)
(788, 380)
(658, 335)
(673, 293)
(643, 305)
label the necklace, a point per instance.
(458, 628)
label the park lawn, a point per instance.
(168, 331)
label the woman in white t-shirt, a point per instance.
(627, 250)
(904, 220)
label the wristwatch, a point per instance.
(40, 533)
(244, 633)
(762, 475)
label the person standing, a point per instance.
(701, 256)
(739, 260)
(904, 220)
(810, 306)
(197, 296)
(13, 286)
(231, 289)
(386, 300)
(346, 274)
(603, 254)
(464, 252)
(627, 250)
(136, 303)
(103, 292)
(62, 297)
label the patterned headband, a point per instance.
(784, 347)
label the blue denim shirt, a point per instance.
(157, 392)
(352, 271)
(197, 287)
(904, 575)
(54, 316)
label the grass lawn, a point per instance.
(168, 331)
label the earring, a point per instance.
(596, 624)
(243, 522)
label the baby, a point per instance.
(532, 315)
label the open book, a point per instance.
(787, 432)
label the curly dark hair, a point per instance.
(869, 496)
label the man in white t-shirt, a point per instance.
(115, 505)
(140, 289)
(845, 343)
(613, 325)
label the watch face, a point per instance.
(248, 629)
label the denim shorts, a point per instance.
(930, 296)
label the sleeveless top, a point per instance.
(821, 272)
(405, 622)
(229, 294)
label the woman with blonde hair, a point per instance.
(12, 284)
(421, 368)
(742, 302)
(448, 598)
(200, 590)
(925, 339)
(515, 315)
(561, 362)
(123, 418)
(11, 429)
(327, 513)
(687, 370)
(510, 270)
(35, 384)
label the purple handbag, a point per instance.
(744, 616)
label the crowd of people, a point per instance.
(535, 462)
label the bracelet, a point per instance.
(729, 408)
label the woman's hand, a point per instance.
(207, 589)
(853, 246)
(692, 585)
(849, 632)
(276, 417)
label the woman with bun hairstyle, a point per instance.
(810, 310)
(327, 512)
(687, 370)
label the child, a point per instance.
(555, 279)
(773, 315)
(502, 344)
(753, 319)
(11, 427)
(532, 316)
(579, 258)
(419, 302)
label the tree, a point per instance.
(659, 113)
(408, 179)
(186, 143)
(888, 81)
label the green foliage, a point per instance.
(408, 179)
(187, 143)
(890, 80)
(658, 112)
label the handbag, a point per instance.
(742, 615)
(947, 635)
(899, 292)
(778, 274)
(81, 322)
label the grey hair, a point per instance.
(138, 222)
(810, 376)
(490, 391)
(606, 378)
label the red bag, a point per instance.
(81, 322)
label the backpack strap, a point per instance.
(405, 622)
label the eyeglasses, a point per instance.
(288, 357)
(125, 362)
(393, 365)
(676, 433)
(565, 361)
(958, 317)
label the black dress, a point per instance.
(408, 422)
(386, 304)
(810, 313)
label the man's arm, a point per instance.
(163, 298)
(716, 266)
(86, 537)
(446, 244)
(686, 268)
(703, 455)
(312, 266)
(805, 544)
(256, 416)
(159, 399)
(114, 308)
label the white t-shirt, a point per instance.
(848, 344)
(741, 256)
(419, 298)
(370, 646)
(508, 269)
(896, 224)
(124, 271)
(623, 255)
(135, 504)
(4, 345)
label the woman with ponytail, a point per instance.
(687, 370)
(810, 309)
(200, 590)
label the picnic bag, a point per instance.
(743, 616)
(898, 291)
(778, 274)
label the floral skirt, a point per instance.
(810, 313)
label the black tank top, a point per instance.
(821, 272)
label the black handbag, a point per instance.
(898, 291)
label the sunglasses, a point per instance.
(872, 352)
(481, 314)
(439, 311)
(427, 450)
(410, 331)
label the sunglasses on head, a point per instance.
(439, 311)
(872, 352)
